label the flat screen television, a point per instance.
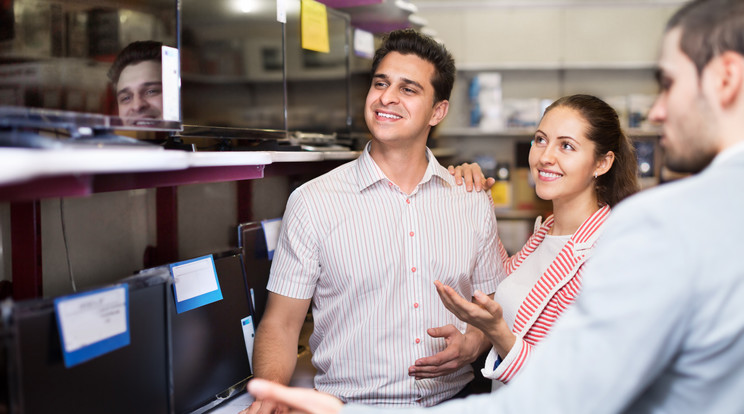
(245, 70)
(210, 359)
(252, 242)
(232, 61)
(56, 57)
(131, 379)
(319, 83)
(4, 379)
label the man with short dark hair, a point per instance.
(659, 326)
(136, 76)
(365, 243)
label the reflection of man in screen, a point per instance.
(136, 75)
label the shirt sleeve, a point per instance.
(489, 269)
(504, 370)
(295, 268)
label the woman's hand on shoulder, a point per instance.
(472, 176)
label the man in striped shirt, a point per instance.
(365, 242)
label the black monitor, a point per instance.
(314, 76)
(210, 360)
(58, 71)
(131, 379)
(4, 384)
(252, 242)
(232, 66)
(244, 69)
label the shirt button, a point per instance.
(410, 234)
(390, 183)
(418, 340)
(413, 269)
(415, 305)
(408, 201)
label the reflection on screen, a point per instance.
(56, 56)
(144, 78)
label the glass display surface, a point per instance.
(232, 64)
(90, 64)
(242, 68)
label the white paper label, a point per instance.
(92, 318)
(194, 279)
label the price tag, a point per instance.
(92, 323)
(195, 283)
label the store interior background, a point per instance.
(541, 49)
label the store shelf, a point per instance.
(513, 214)
(31, 174)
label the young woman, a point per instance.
(582, 161)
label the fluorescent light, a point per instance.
(243, 6)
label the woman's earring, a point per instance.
(595, 175)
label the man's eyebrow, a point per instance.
(146, 85)
(407, 81)
(381, 76)
(123, 91)
(413, 82)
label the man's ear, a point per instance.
(729, 71)
(440, 111)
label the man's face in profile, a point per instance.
(139, 92)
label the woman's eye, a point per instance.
(567, 146)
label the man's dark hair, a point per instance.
(134, 53)
(409, 41)
(709, 28)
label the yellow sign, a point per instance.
(314, 25)
(501, 194)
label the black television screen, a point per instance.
(242, 68)
(131, 379)
(232, 64)
(210, 360)
(56, 58)
(318, 79)
(4, 384)
(252, 241)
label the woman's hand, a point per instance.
(299, 400)
(472, 176)
(484, 313)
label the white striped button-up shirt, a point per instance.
(368, 254)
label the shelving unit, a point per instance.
(32, 175)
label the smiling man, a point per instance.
(136, 76)
(365, 242)
(659, 326)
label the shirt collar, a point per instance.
(728, 153)
(368, 172)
